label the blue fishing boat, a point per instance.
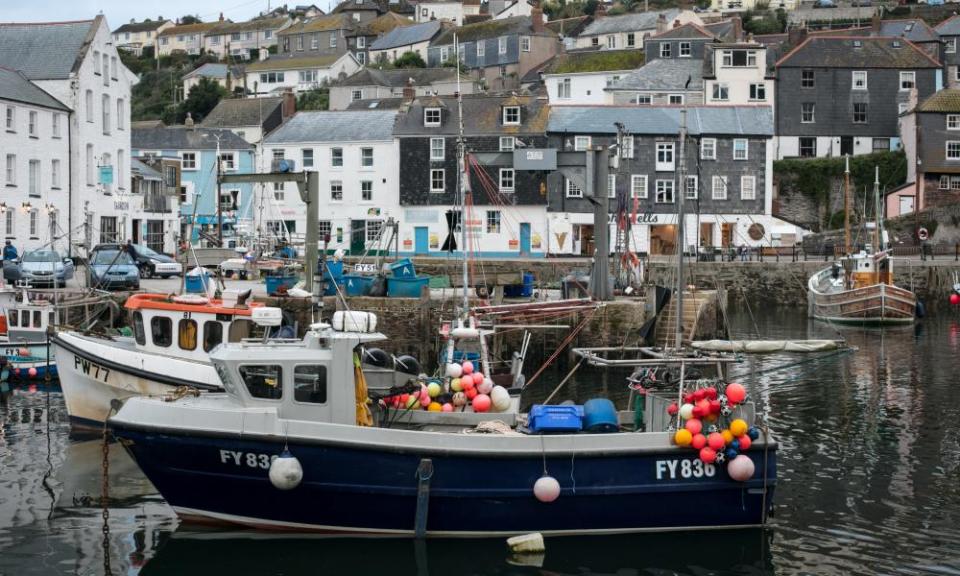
(290, 445)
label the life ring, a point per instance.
(191, 299)
(923, 235)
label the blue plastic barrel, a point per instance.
(600, 415)
(197, 283)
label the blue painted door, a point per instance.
(421, 240)
(524, 238)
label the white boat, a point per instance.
(859, 289)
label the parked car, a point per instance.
(46, 268)
(861, 3)
(153, 263)
(110, 267)
(824, 4)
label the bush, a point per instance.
(410, 60)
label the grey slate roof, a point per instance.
(949, 27)
(483, 115)
(706, 120)
(144, 171)
(376, 104)
(208, 70)
(842, 52)
(14, 87)
(663, 74)
(145, 26)
(183, 138)
(44, 51)
(628, 22)
(398, 78)
(236, 112)
(915, 30)
(407, 35)
(342, 126)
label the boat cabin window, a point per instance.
(310, 384)
(51, 319)
(240, 329)
(37, 318)
(138, 332)
(212, 334)
(25, 319)
(13, 317)
(264, 381)
(161, 329)
(187, 334)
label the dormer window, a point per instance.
(431, 117)
(739, 58)
(511, 115)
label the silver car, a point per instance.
(45, 268)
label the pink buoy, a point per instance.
(708, 455)
(715, 440)
(698, 442)
(32, 372)
(16, 371)
(424, 399)
(471, 393)
(23, 351)
(485, 387)
(468, 367)
(736, 393)
(481, 403)
(447, 407)
(745, 443)
(546, 489)
(694, 426)
(741, 468)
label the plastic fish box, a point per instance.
(406, 287)
(357, 285)
(547, 419)
(403, 268)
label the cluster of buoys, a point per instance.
(464, 387)
(703, 413)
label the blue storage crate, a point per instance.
(196, 283)
(524, 290)
(357, 285)
(563, 418)
(275, 282)
(403, 268)
(406, 287)
(334, 270)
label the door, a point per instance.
(524, 239)
(421, 237)
(136, 231)
(358, 236)
(706, 234)
(726, 235)
(846, 145)
(906, 205)
(586, 239)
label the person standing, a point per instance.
(9, 251)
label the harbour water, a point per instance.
(869, 482)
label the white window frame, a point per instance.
(442, 173)
(858, 80)
(333, 39)
(720, 92)
(304, 157)
(638, 185)
(626, 150)
(228, 161)
(813, 113)
(88, 104)
(481, 48)
(33, 123)
(571, 190)
(666, 165)
(507, 180)
(564, 88)
(511, 111)
(953, 121)
(34, 218)
(55, 129)
(666, 50)
(696, 188)
(502, 45)
(437, 152)
(11, 170)
(507, 143)
(718, 188)
(33, 178)
(612, 42)
(675, 99)
(428, 112)
(334, 184)
(524, 43)
(866, 113)
(955, 155)
(907, 76)
(737, 150)
(55, 173)
(105, 103)
(757, 90)
(581, 143)
(950, 45)
(336, 153)
(611, 185)
(364, 185)
(660, 196)
(684, 50)
(644, 99)
(188, 162)
(712, 149)
(493, 222)
(748, 183)
(361, 42)
(366, 160)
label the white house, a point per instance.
(187, 38)
(358, 162)
(737, 74)
(371, 84)
(629, 30)
(135, 36)
(297, 74)
(452, 11)
(515, 8)
(86, 75)
(582, 77)
(35, 153)
(244, 40)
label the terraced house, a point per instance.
(135, 36)
(245, 40)
(583, 77)
(297, 73)
(187, 38)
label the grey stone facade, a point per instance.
(652, 47)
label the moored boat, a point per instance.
(859, 289)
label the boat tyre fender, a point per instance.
(376, 357)
(408, 365)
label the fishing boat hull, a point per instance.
(877, 304)
(94, 372)
(356, 489)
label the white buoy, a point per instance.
(546, 489)
(500, 398)
(454, 370)
(527, 543)
(286, 471)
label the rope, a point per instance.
(566, 341)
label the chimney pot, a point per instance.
(536, 19)
(289, 105)
(189, 122)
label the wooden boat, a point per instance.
(859, 289)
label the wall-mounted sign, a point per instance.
(535, 158)
(106, 174)
(121, 205)
(642, 218)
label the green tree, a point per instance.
(316, 99)
(409, 60)
(203, 97)
(188, 19)
(590, 7)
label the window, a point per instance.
(11, 121)
(10, 215)
(758, 92)
(374, 228)
(708, 149)
(944, 182)
(638, 186)
(953, 121)
(950, 46)
(279, 193)
(859, 112)
(55, 174)
(739, 58)
(139, 334)
(90, 165)
(437, 149)
(581, 143)
(719, 187)
(336, 191)
(361, 57)
(361, 42)
(881, 144)
(691, 190)
(666, 50)
(308, 76)
(106, 114)
(493, 221)
(524, 43)
(299, 41)
(187, 334)
(626, 150)
(96, 62)
(88, 102)
(264, 381)
(121, 113)
(612, 42)
(32, 124)
(34, 178)
(503, 71)
(506, 179)
(572, 190)
(611, 185)
(665, 156)
(807, 113)
(511, 115)
(324, 228)
(953, 150)
(437, 180)
(563, 89)
(271, 77)
(307, 156)
(908, 80)
(336, 157)
(595, 41)
(643, 100)
(721, 91)
(431, 117)
(314, 41)
(502, 45)
(188, 160)
(664, 191)
(631, 40)
(740, 148)
(120, 168)
(366, 190)
(444, 53)
(684, 49)
(676, 98)
(106, 70)
(748, 187)
(310, 384)
(33, 234)
(56, 125)
(807, 79)
(366, 157)
(859, 80)
(333, 39)
(356, 95)
(507, 143)
(228, 161)
(161, 330)
(11, 179)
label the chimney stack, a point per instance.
(601, 11)
(221, 16)
(409, 92)
(189, 122)
(661, 23)
(536, 18)
(737, 28)
(875, 24)
(796, 36)
(289, 106)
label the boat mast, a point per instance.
(681, 193)
(846, 207)
(463, 183)
(876, 224)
